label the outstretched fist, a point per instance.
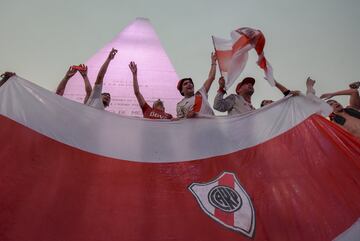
(112, 54)
(83, 70)
(221, 82)
(133, 67)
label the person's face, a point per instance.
(335, 105)
(159, 106)
(247, 88)
(267, 102)
(187, 88)
(106, 98)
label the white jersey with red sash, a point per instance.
(197, 103)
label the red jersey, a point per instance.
(151, 113)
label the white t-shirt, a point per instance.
(95, 99)
(187, 104)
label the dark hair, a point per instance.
(180, 83)
(158, 101)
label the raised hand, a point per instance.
(310, 82)
(70, 73)
(112, 54)
(355, 85)
(84, 69)
(133, 67)
(222, 82)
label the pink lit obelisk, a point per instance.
(157, 77)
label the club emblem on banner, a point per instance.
(226, 201)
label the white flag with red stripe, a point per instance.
(233, 54)
(71, 172)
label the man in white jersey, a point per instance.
(196, 103)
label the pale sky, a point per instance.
(41, 38)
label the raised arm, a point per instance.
(104, 67)
(354, 97)
(310, 86)
(284, 90)
(137, 93)
(61, 87)
(212, 73)
(221, 104)
(87, 84)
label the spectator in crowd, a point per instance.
(97, 99)
(235, 103)
(349, 117)
(157, 111)
(70, 73)
(5, 76)
(196, 103)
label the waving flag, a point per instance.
(71, 172)
(233, 54)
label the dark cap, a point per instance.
(245, 81)
(180, 83)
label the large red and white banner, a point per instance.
(71, 172)
(233, 54)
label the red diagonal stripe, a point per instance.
(228, 218)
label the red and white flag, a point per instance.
(233, 54)
(71, 172)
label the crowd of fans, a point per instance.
(195, 103)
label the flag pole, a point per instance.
(212, 37)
